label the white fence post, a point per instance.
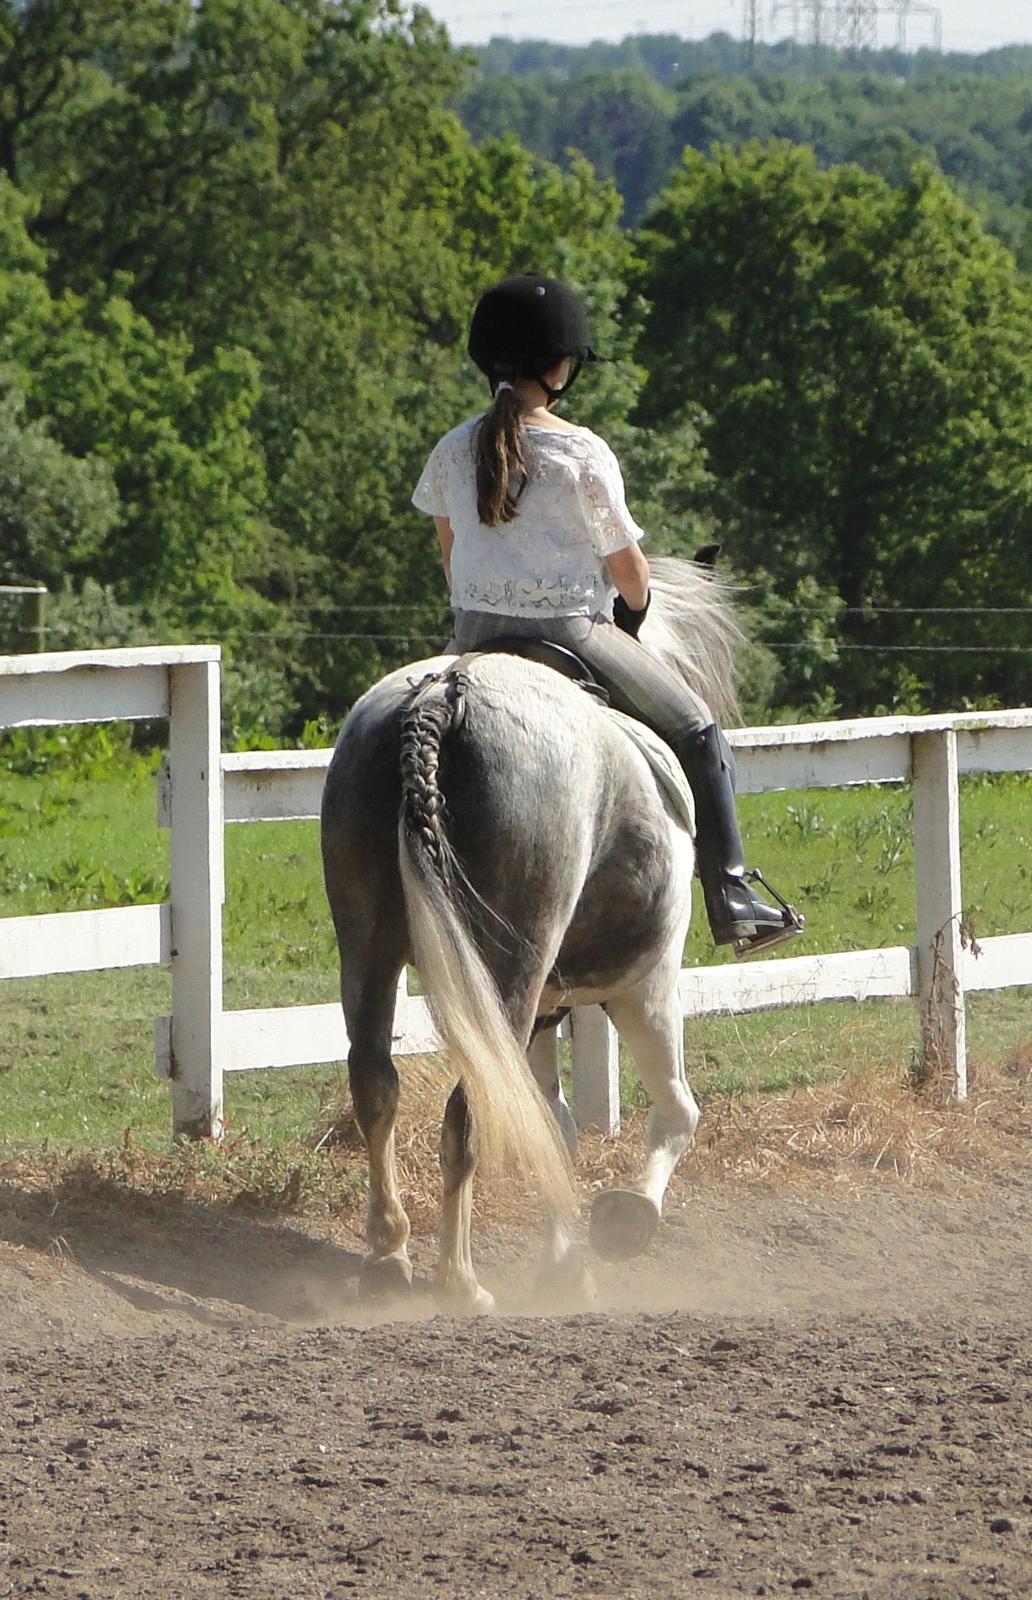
(595, 1069)
(195, 787)
(939, 908)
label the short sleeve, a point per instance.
(600, 489)
(429, 495)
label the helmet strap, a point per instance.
(557, 394)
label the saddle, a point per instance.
(562, 660)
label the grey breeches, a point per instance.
(636, 681)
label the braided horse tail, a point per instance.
(514, 1131)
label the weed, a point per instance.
(807, 822)
(895, 849)
(873, 900)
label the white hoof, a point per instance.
(622, 1224)
(464, 1299)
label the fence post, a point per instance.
(196, 849)
(29, 632)
(32, 634)
(595, 1069)
(939, 908)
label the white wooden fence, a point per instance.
(202, 790)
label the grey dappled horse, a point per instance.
(489, 821)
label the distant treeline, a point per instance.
(668, 58)
(631, 108)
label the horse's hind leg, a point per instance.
(650, 1021)
(543, 1056)
(455, 1284)
(562, 1275)
(369, 992)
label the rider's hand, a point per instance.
(630, 621)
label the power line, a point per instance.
(372, 638)
(938, 611)
(532, 11)
(900, 650)
(800, 644)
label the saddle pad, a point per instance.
(666, 769)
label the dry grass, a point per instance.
(871, 1122)
(867, 1125)
(867, 1122)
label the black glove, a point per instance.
(630, 621)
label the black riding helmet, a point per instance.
(524, 326)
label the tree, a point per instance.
(55, 510)
(241, 259)
(864, 357)
(125, 456)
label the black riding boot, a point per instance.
(736, 913)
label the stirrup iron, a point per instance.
(792, 923)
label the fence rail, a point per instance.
(201, 790)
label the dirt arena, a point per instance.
(819, 1387)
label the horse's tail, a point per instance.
(691, 625)
(514, 1129)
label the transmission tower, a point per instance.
(752, 27)
(908, 8)
(856, 24)
(853, 24)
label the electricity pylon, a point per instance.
(851, 24)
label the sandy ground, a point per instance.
(820, 1388)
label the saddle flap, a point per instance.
(666, 769)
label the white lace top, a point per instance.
(548, 560)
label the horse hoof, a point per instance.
(385, 1277)
(465, 1300)
(622, 1224)
(565, 1288)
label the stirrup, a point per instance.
(792, 923)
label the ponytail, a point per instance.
(498, 455)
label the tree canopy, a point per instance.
(969, 115)
(239, 244)
(863, 355)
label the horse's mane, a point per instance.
(690, 625)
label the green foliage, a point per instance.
(671, 59)
(55, 509)
(238, 249)
(632, 108)
(864, 359)
(175, 435)
(255, 321)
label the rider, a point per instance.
(535, 534)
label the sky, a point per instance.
(971, 25)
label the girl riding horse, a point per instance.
(537, 542)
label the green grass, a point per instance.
(77, 829)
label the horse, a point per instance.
(489, 822)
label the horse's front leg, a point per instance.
(650, 1021)
(562, 1274)
(456, 1285)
